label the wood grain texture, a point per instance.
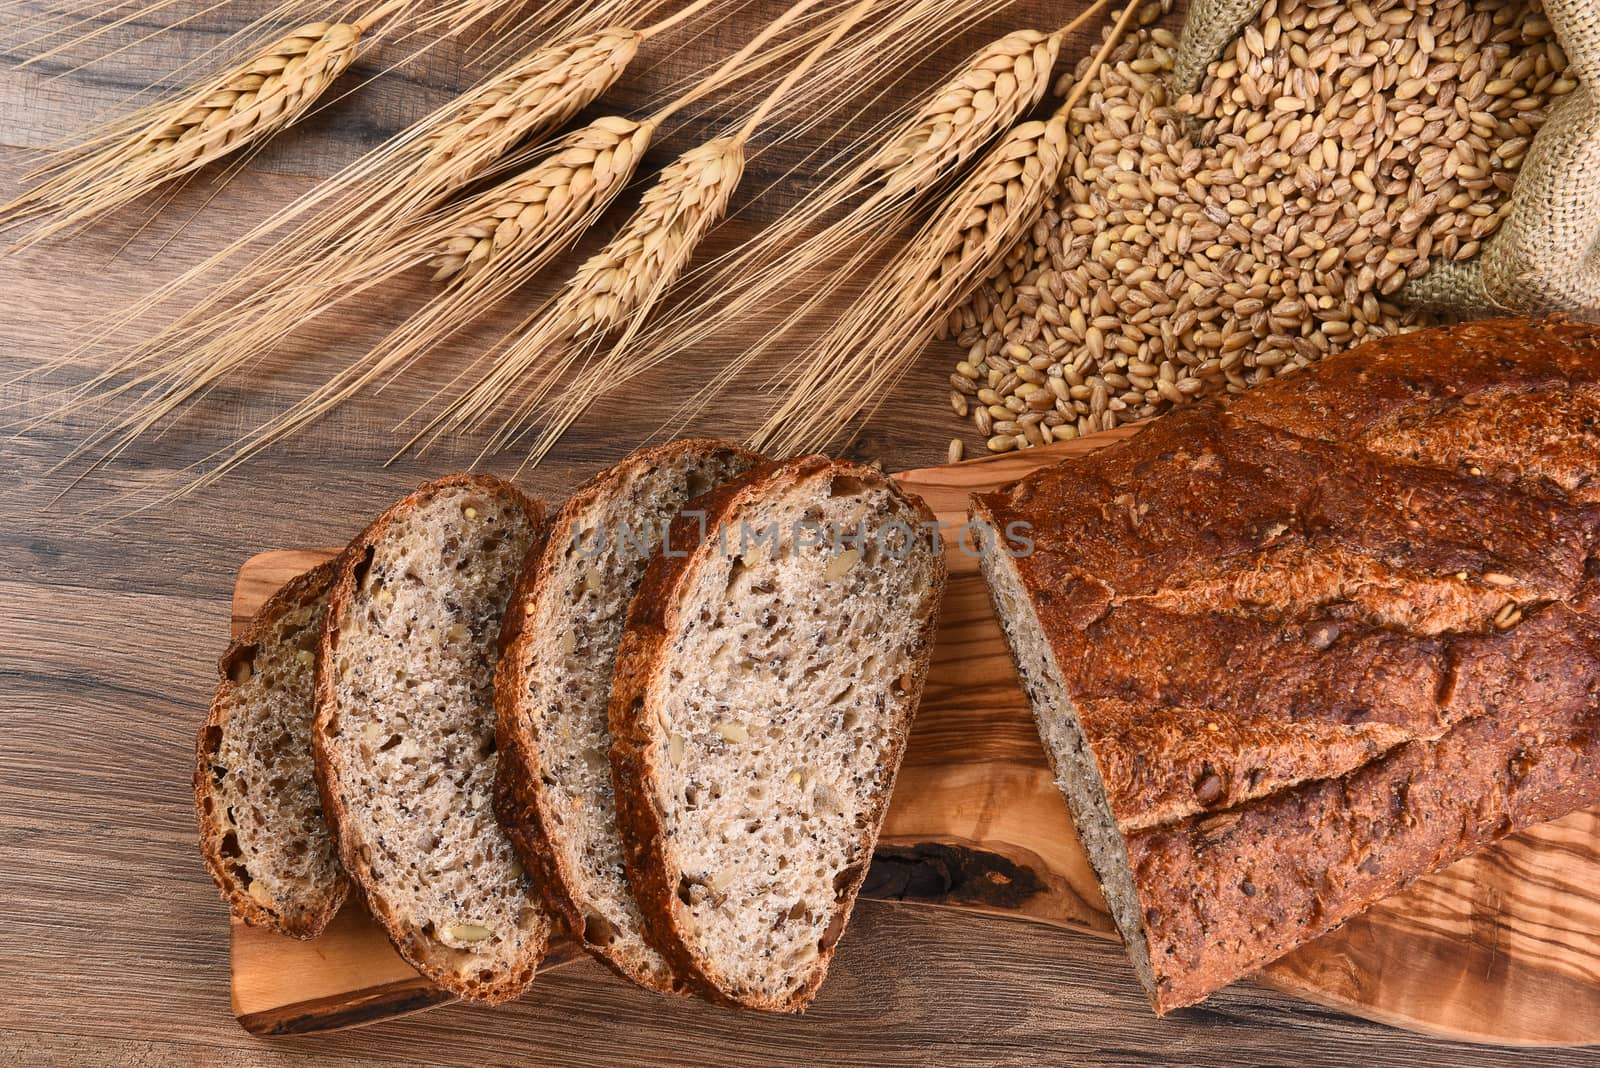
(110, 624)
(1503, 947)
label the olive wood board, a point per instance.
(1503, 947)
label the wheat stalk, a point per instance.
(873, 343)
(445, 155)
(241, 107)
(619, 286)
(516, 227)
(996, 85)
(361, 213)
(483, 249)
(198, 368)
(474, 247)
(494, 242)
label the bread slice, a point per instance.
(560, 638)
(404, 736)
(763, 694)
(261, 827)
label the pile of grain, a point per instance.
(1343, 144)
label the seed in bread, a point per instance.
(404, 734)
(261, 826)
(554, 795)
(763, 694)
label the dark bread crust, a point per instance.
(1264, 613)
(522, 804)
(1224, 894)
(418, 950)
(1213, 584)
(1512, 397)
(298, 592)
(652, 622)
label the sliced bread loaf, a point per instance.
(404, 737)
(560, 638)
(763, 694)
(261, 826)
(1288, 656)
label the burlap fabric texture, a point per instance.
(1546, 256)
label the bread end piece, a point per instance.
(273, 860)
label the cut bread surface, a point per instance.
(562, 630)
(763, 695)
(261, 826)
(404, 734)
(1072, 761)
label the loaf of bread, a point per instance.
(553, 792)
(763, 693)
(1289, 655)
(261, 827)
(404, 734)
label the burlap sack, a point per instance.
(1546, 256)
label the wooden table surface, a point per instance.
(112, 939)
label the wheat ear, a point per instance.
(517, 225)
(355, 214)
(527, 220)
(542, 93)
(543, 208)
(441, 156)
(994, 88)
(951, 124)
(874, 342)
(245, 105)
(620, 281)
(619, 286)
(490, 245)
(484, 249)
(351, 218)
(546, 207)
(91, 20)
(888, 325)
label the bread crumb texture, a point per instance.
(262, 799)
(787, 685)
(579, 614)
(412, 739)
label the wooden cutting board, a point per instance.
(1503, 947)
